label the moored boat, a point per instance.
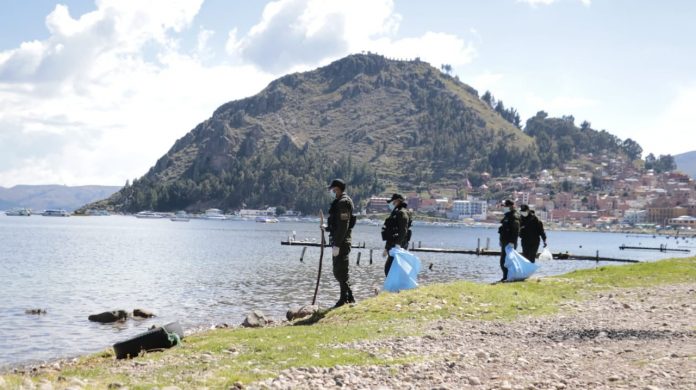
(55, 213)
(214, 214)
(149, 215)
(180, 216)
(265, 219)
(18, 212)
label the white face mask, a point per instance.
(333, 193)
(525, 213)
(391, 206)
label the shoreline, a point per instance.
(412, 331)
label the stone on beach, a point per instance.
(142, 313)
(296, 312)
(109, 316)
(255, 319)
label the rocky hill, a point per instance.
(374, 121)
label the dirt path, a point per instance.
(626, 339)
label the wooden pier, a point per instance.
(310, 243)
(477, 252)
(661, 248)
(556, 256)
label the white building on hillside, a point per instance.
(476, 209)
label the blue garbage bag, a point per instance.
(519, 268)
(403, 273)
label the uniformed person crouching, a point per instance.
(340, 225)
(397, 228)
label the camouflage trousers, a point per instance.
(341, 272)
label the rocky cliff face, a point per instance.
(388, 113)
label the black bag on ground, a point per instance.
(162, 337)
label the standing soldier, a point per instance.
(397, 228)
(509, 230)
(531, 228)
(340, 224)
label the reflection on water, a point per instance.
(207, 272)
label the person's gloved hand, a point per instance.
(335, 250)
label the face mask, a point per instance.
(391, 206)
(525, 213)
(333, 193)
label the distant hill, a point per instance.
(686, 162)
(42, 197)
(376, 122)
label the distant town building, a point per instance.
(476, 209)
(684, 220)
(634, 217)
(662, 215)
(377, 204)
(271, 211)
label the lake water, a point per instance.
(206, 272)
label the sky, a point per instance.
(95, 91)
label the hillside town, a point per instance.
(600, 192)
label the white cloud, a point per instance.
(673, 131)
(296, 34)
(535, 3)
(107, 93)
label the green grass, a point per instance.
(222, 357)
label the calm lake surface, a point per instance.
(207, 272)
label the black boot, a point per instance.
(342, 300)
(349, 296)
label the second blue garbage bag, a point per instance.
(519, 268)
(403, 273)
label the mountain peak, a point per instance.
(374, 121)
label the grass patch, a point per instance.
(222, 357)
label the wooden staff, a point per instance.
(321, 254)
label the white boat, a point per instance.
(149, 215)
(19, 212)
(180, 216)
(213, 214)
(265, 219)
(55, 213)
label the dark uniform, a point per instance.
(509, 231)
(531, 228)
(339, 226)
(396, 231)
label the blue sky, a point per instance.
(93, 92)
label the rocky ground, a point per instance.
(627, 339)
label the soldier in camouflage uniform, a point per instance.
(396, 229)
(340, 224)
(509, 231)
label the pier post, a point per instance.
(597, 256)
(358, 262)
(304, 249)
(488, 243)
(370, 256)
(419, 244)
(478, 246)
